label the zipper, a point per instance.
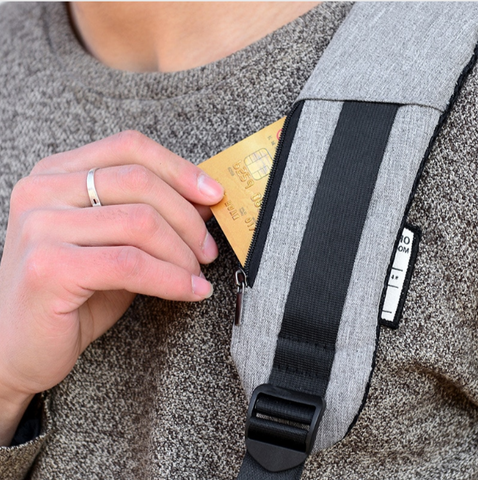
(241, 282)
(245, 277)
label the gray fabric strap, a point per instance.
(279, 420)
(397, 52)
(411, 54)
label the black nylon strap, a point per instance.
(306, 344)
(251, 470)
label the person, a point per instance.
(131, 386)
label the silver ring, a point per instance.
(90, 186)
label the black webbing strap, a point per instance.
(251, 470)
(306, 345)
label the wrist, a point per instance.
(12, 407)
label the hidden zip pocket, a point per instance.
(245, 276)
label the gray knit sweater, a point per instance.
(158, 396)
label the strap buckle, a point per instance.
(281, 426)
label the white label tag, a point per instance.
(396, 280)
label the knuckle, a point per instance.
(24, 191)
(135, 178)
(35, 227)
(190, 212)
(166, 277)
(190, 224)
(201, 232)
(19, 196)
(42, 166)
(30, 222)
(39, 265)
(36, 218)
(194, 266)
(185, 258)
(129, 140)
(178, 285)
(128, 262)
(143, 220)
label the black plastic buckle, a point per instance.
(281, 426)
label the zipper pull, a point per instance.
(241, 282)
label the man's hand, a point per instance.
(70, 271)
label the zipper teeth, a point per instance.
(265, 198)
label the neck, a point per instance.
(173, 36)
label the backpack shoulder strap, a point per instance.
(345, 172)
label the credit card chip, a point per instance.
(259, 163)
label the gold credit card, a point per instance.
(243, 171)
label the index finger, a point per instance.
(131, 147)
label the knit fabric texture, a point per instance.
(158, 396)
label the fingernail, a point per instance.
(210, 188)
(201, 287)
(209, 248)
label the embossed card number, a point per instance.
(243, 170)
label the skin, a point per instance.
(69, 271)
(173, 36)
